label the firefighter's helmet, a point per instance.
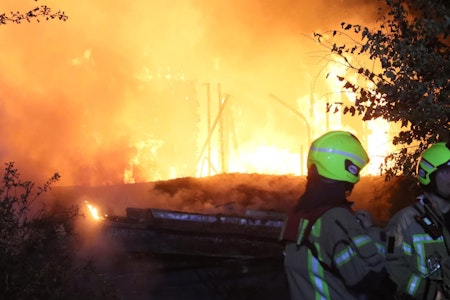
(338, 155)
(437, 155)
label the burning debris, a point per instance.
(93, 211)
(170, 232)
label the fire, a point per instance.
(144, 105)
(93, 211)
(146, 149)
(268, 150)
(379, 145)
(275, 152)
(266, 159)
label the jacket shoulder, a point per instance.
(339, 211)
(402, 220)
(342, 215)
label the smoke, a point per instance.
(120, 88)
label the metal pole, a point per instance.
(208, 139)
(221, 142)
(297, 113)
(208, 99)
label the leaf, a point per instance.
(390, 75)
(349, 86)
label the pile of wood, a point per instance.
(253, 235)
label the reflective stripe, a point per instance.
(420, 238)
(413, 285)
(315, 230)
(344, 256)
(381, 248)
(339, 152)
(348, 252)
(407, 249)
(427, 163)
(316, 272)
(301, 230)
(317, 277)
(419, 241)
(361, 240)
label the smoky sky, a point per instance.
(120, 86)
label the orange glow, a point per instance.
(132, 94)
(266, 159)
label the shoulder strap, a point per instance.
(306, 242)
(314, 252)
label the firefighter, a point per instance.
(328, 254)
(418, 235)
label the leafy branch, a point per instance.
(407, 83)
(36, 13)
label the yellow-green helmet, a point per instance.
(431, 159)
(338, 155)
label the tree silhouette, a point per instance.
(406, 81)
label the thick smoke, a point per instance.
(121, 86)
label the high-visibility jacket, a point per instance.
(414, 256)
(339, 262)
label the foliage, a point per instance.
(36, 14)
(39, 244)
(27, 238)
(407, 82)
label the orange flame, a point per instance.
(93, 211)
